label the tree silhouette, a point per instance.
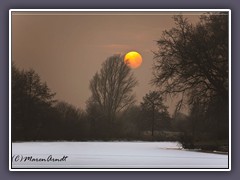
(153, 104)
(193, 59)
(72, 123)
(112, 87)
(31, 102)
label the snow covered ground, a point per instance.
(111, 155)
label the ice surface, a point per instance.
(113, 155)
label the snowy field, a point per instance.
(111, 155)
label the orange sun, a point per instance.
(133, 59)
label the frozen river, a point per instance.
(111, 155)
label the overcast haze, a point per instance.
(67, 49)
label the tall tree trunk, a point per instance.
(153, 119)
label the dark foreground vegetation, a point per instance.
(191, 64)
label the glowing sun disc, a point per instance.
(133, 59)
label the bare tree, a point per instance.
(153, 103)
(112, 87)
(192, 60)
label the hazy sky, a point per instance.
(67, 49)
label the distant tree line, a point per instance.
(110, 112)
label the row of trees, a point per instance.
(110, 111)
(36, 115)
